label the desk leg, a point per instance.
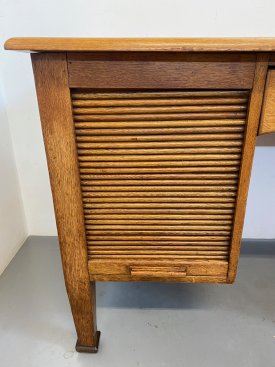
(86, 342)
(53, 94)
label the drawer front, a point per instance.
(161, 70)
(159, 177)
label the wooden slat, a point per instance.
(164, 157)
(163, 211)
(156, 237)
(195, 119)
(160, 188)
(157, 194)
(105, 246)
(159, 244)
(157, 232)
(188, 207)
(157, 176)
(158, 222)
(155, 252)
(188, 217)
(158, 170)
(175, 226)
(227, 160)
(157, 256)
(134, 200)
(111, 146)
(138, 134)
(156, 102)
(157, 110)
(82, 95)
(114, 139)
(141, 154)
(157, 249)
(160, 183)
(159, 200)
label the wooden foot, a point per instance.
(88, 349)
(83, 305)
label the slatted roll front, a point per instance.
(159, 171)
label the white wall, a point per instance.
(260, 213)
(13, 231)
(120, 18)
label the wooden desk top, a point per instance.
(44, 44)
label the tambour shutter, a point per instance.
(159, 171)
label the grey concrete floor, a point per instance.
(142, 324)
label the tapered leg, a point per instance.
(53, 93)
(84, 315)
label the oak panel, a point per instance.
(159, 71)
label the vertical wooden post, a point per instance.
(51, 78)
(253, 119)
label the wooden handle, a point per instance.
(158, 271)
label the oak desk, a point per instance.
(149, 145)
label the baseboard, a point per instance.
(255, 246)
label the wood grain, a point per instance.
(247, 159)
(203, 119)
(53, 44)
(166, 211)
(158, 271)
(155, 236)
(88, 160)
(137, 210)
(50, 71)
(159, 71)
(171, 95)
(267, 123)
(120, 269)
(186, 163)
(168, 279)
(191, 217)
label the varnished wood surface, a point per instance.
(158, 271)
(141, 44)
(123, 266)
(51, 78)
(141, 212)
(216, 279)
(267, 124)
(124, 270)
(247, 159)
(161, 71)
